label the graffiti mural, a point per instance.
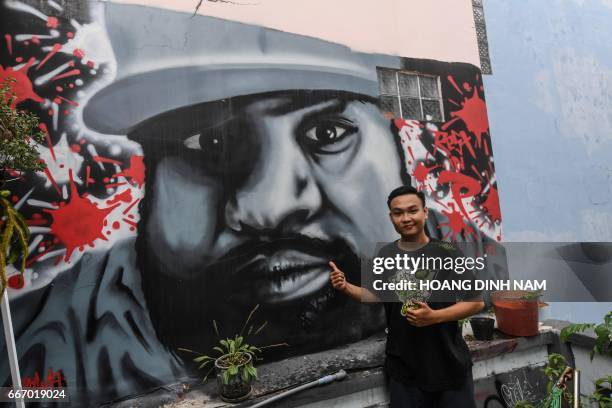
(195, 168)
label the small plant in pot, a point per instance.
(234, 362)
(409, 297)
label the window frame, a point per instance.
(398, 95)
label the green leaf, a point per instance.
(574, 328)
(204, 364)
(232, 370)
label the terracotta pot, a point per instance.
(237, 389)
(515, 315)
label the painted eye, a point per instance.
(199, 142)
(329, 136)
(325, 133)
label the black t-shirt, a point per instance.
(435, 357)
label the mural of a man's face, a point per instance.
(248, 199)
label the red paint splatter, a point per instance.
(453, 102)
(67, 74)
(54, 50)
(455, 220)
(454, 84)
(9, 43)
(52, 180)
(126, 197)
(111, 185)
(88, 179)
(18, 59)
(129, 207)
(491, 205)
(136, 171)
(55, 379)
(410, 152)
(45, 130)
(474, 115)
(75, 148)
(70, 34)
(116, 225)
(399, 123)
(52, 22)
(79, 53)
(100, 159)
(68, 101)
(37, 257)
(453, 142)
(35, 40)
(22, 88)
(132, 223)
(37, 221)
(16, 281)
(79, 222)
(460, 182)
(91, 64)
(421, 171)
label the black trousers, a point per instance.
(404, 396)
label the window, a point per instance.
(410, 95)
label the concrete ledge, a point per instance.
(363, 362)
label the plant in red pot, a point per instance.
(517, 312)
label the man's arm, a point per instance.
(338, 281)
(426, 316)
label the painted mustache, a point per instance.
(283, 270)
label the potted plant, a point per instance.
(482, 324)
(516, 312)
(482, 327)
(233, 362)
(409, 297)
(19, 135)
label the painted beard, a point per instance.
(276, 275)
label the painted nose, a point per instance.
(280, 195)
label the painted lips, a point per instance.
(285, 275)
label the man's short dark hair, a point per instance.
(405, 190)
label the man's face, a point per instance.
(408, 215)
(253, 204)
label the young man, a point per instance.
(428, 362)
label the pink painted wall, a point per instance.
(435, 29)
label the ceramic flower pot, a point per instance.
(516, 314)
